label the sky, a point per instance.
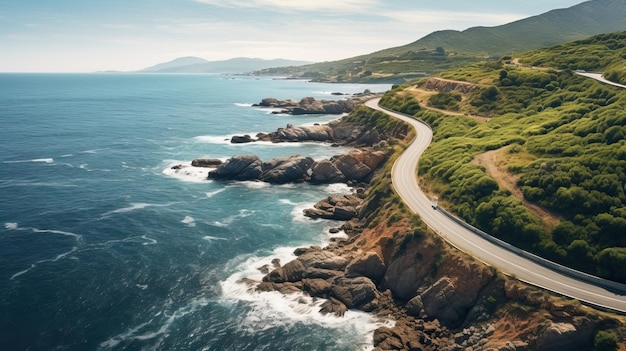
(127, 35)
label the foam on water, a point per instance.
(183, 170)
(189, 221)
(251, 185)
(156, 327)
(134, 207)
(210, 194)
(297, 213)
(243, 213)
(274, 309)
(212, 238)
(36, 160)
(77, 237)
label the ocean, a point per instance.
(104, 247)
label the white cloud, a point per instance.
(299, 5)
(455, 20)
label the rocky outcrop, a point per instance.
(310, 105)
(206, 162)
(323, 273)
(325, 171)
(287, 170)
(243, 167)
(340, 208)
(335, 132)
(291, 133)
(241, 139)
(356, 166)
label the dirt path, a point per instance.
(422, 95)
(495, 165)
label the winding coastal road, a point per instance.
(405, 182)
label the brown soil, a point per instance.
(422, 95)
(495, 163)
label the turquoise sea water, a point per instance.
(104, 247)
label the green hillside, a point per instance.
(447, 49)
(559, 138)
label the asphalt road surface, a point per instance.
(405, 182)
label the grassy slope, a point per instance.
(566, 134)
(420, 58)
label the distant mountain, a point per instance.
(235, 65)
(179, 62)
(449, 48)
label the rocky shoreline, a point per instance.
(391, 266)
(310, 105)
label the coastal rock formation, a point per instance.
(340, 208)
(243, 167)
(310, 105)
(286, 170)
(241, 139)
(326, 171)
(291, 133)
(334, 132)
(356, 166)
(206, 162)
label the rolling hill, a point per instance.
(546, 170)
(446, 49)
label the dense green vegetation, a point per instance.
(566, 135)
(446, 49)
(605, 53)
(445, 101)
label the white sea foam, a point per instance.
(287, 202)
(212, 238)
(243, 213)
(149, 241)
(251, 184)
(143, 331)
(77, 237)
(189, 221)
(60, 232)
(297, 213)
(34, 265)
(92, 151)
(273, 309)
(186, 172)
(214, 139)
(134, 207)
(210, 194)
(244, 104)
(36, 160)
(339, 235)
(26, 183)
(15, 226)
(338, 188)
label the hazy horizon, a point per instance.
(89, 36)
